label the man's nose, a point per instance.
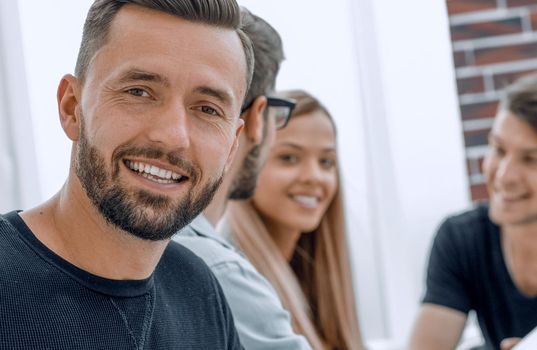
(508, 170)
(170, 126)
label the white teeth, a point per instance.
(308, 201)
(154, 173)
(162, 173)
(160, 181)
(509, 197)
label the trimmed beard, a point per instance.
(139, 212)
(243, 186)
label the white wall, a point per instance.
(417, 168)
(19, 187)
(51, 36)
(384, 71)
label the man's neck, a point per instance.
(522, 234)
(70, 226)
(519, 246)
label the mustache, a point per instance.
(151, 152)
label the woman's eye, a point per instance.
(138, 92)
(289, 158)
(328, 163)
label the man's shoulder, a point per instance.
(475, 219)
(478, 213)
(209, 246)
(467, 229)
(210, 250)
(11, 242)
(248, 293)
(233, 270)
(176, 256)
(5, 222)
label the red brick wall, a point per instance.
(494, 42)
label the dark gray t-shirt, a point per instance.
(48, 303)
(467, 272)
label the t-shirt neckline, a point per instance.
(115, 288)
(498, 250)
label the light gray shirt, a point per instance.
(260, 319)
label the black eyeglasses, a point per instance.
(281, 108)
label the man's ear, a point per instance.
(254, 121)
(68, 97)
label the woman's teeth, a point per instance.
(307, 201)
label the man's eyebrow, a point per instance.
(498, 140)
(221, 95)
(140, 75)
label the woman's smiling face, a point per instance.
(300, 178)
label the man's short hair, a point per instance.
(268, 52)
(219, 13)
(520, 98)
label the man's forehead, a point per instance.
(506, 119)
(511, 130)
(213, 55)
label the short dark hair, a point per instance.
(219, 13)
(520, 98)
(268, 52)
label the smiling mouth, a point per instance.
(509, 198)
(153, 173)
(306, 201)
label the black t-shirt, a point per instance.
(467, 272)
(48, 303)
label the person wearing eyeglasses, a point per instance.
(293, 231)
(261, 321)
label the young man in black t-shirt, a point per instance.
(153, 115)
(486, 259)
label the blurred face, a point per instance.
(245, 182)
(510, 169)
(299, 179)
(159, 120)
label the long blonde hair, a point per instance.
(316, 286)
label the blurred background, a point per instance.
(413, 86)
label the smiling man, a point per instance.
(153, 114)
(486, 259)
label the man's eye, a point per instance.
(530, 160)
(497, 150)
(209, 110)
(138, 92)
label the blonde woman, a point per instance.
(293, 228)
